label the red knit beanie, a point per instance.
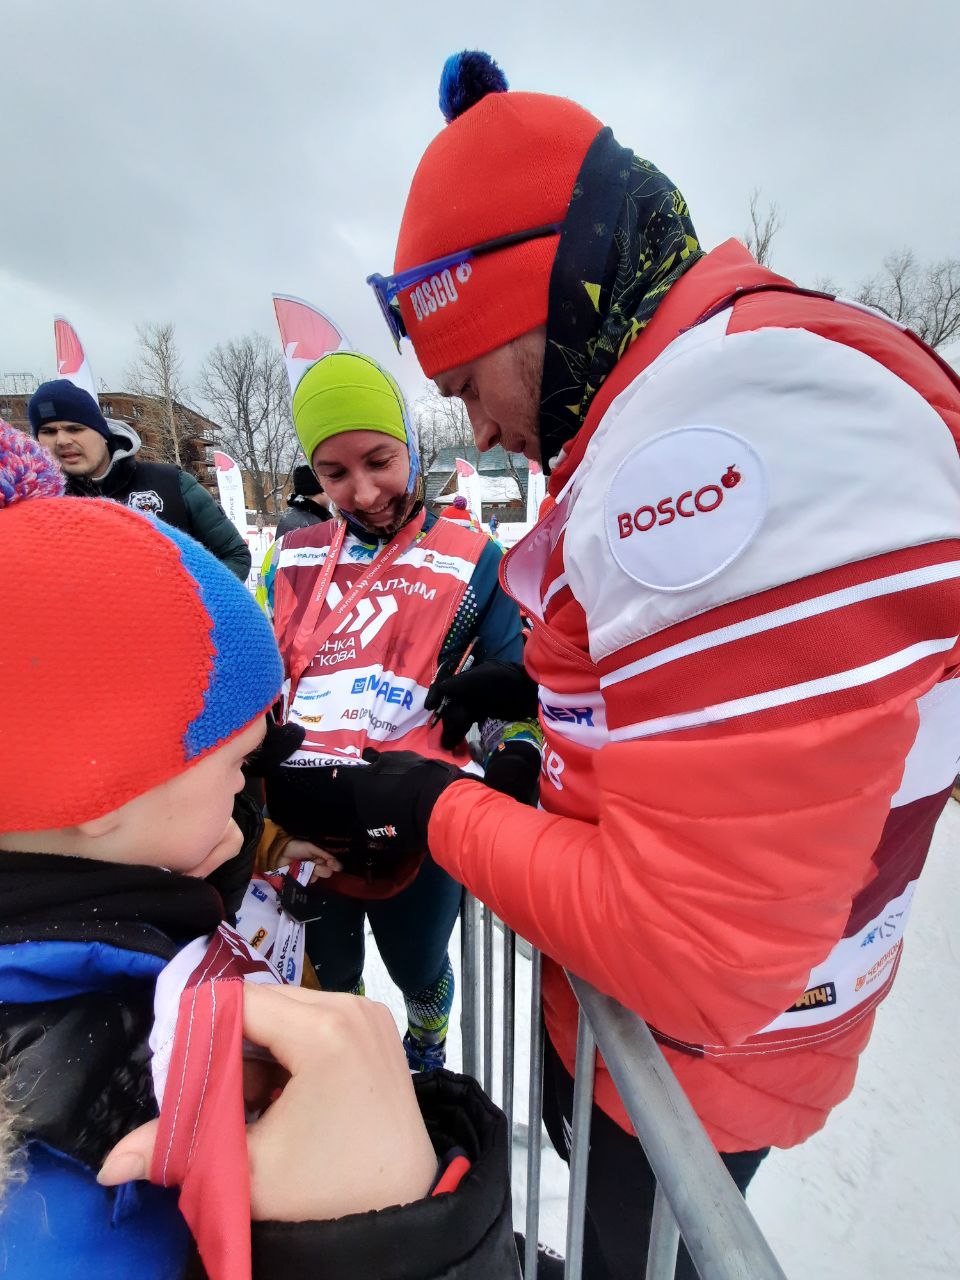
(507, 164)
(458, 510)
(124, 662)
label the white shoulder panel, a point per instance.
(736, 463)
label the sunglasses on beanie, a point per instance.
(438, 279)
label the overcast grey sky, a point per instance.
(182, 159)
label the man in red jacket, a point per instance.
(744, 593)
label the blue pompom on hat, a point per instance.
(63, 401)
(467, 77)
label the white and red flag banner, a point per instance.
(307, 335)
(469, 486)
(72, 362)
(536, 490)
(230, 488)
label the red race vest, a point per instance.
(365, 681)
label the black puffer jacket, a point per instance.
(78, 1067)
(466, 1235)
(78, 1074)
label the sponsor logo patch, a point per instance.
(568, 715)
(889, 927)
(393, 693)
(363, 715)
(440, 291)
(361, 552)
(815, 998)
(879, 970)
(683, 506)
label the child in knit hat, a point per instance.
(135, 673)
(134, 678)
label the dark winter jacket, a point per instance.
(301, 512)
(466, 1235)
(172, 495)
(81, 946)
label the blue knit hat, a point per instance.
(177, 658)
(63, 401)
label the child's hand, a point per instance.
(344, 1136)
(324, 863)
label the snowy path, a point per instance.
(873, 1196)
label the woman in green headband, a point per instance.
(368, 609)
(351, 420)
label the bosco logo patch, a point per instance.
(683, 506)
(439, 291)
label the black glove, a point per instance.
(486, 691)
(383, 806)
(279, 743)
(514, 769)
(394, 797)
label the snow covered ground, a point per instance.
(874, 1196)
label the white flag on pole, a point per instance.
(307, 335)
(469, 485)
(72, 363)
(536, 490)
(230, 486)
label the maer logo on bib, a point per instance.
(683, 506)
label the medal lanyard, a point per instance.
(311, 636)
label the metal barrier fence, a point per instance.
(696, 1199)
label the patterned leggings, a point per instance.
(412, 931)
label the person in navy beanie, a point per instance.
(98, 459)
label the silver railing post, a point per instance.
(718, 1230)
(664, 1240)
(535, 1123)
(584, 1071)
(696, 1200)
(488, 1002)
(470, 1029)
(509, 1032)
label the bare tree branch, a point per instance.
(244, 385)
(764, 225)
(157, 372)
(442, 423)
(925, 298)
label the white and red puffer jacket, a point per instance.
(746, 603)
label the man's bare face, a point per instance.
(501, 392)
(80, 450)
